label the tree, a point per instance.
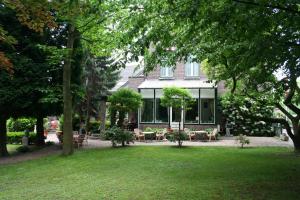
(177, 98)
(123, 101)
(100, 76)
(245, 43)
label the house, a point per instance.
(203, 113)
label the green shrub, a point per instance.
(242, 139)
(16, 137)
(94, 126)
(21, 124)
(119, 136)
(23, 149)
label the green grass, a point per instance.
(157, 173)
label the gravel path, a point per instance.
(223, 142)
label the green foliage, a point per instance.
(235, 108)
(176, 136)
(94, 126)
(61, 122)
(23, 149)
(119, 136)
(16, 137)
(176, 97)
(21, 124)
(125, 100)
(242, 139)
(122, 101)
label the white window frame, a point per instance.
(191, 65)
(166, 72)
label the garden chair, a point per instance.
(190, 134)
(160, 135)
(213, 134)
(78, 140)
(138, 134)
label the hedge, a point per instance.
(16, 137)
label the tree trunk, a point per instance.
(102, 115)
(121, 119)
(87, 119)
(40, 138)
(113, 114)
(3, 137)
(67, 96)
(296, 138)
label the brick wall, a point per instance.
(134, 82)
(179, 72)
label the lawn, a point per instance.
(157, 173)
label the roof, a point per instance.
(178, 83)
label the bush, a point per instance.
(94, 126)
(232, 109)
(23, 149)
(243, 140)
(16, 137)
(21, 124)
(178, 136)
(119, 136)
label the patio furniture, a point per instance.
(78, 140)
(161, 135)
(191, 134)
(201, 135)
(213, 134)
(148, 134)
(138, 134)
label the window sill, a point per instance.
(192, 78)
(166, 78)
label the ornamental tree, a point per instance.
(123, 101)
(176, 98)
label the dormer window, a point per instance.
(191, 68)
(166, 72)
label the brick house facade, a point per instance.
(204, 113)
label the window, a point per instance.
(207, 111)
(191, 68)
(147, 109)
(166, 72)
(207, 106)
(192, 114)
(161, 112)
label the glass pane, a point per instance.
(176, 114)
(158, 93)
(147, 110)
(147, 93)
(194, 93)
(161, 113)
(187, 67)
(166, 72)
(207, 110)
(196, 69)
(192, 113)
(207, 93)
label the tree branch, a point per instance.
(282, 109)
(287, 9)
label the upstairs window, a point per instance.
(191, 68)
(166, 72)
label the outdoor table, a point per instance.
(200, 133)
(148, 133)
